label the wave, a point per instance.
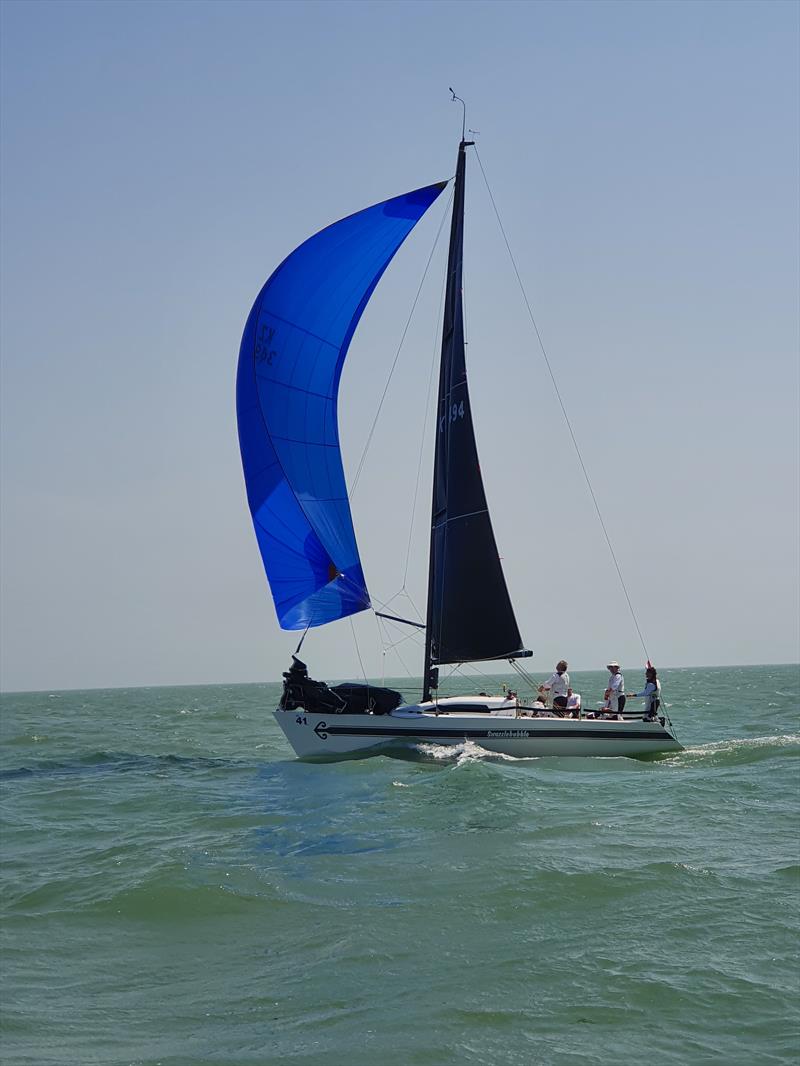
(737, 751)
(168, 893)
(99, 762)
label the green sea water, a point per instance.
(178, 889)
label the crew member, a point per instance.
(651, 693)
(615, 689)
(556, 687)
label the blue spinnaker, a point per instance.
(290, 362)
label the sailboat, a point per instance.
(293, 349)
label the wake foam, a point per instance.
(739, 750)
(466, 752)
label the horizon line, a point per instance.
(228, 684)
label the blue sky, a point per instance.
(160, 159)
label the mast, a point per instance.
(469, 614)
(455, 258)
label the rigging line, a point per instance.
(436, 347)
(382, 645)
(389, 645)
(300, 645)
(396, 357)
(388, 639)
(411, 601)
(460, 669)
(387, 603)
(522, 671)
(410, 630)
(404, 665)
(524, 675)
(515, 666)
(563, 410)
(358, 651)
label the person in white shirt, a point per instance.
(615, 689)
(556, 687)
(651, 693)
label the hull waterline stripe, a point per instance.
(490, 734)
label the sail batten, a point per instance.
(290, 363)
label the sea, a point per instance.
(178, 889)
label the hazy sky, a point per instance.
(160, 159)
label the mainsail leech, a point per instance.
(290, 362)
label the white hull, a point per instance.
(501, 730)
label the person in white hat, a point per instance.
(615, 689)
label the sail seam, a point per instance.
(301, 329)
(458, 517)
(308, 443)
(273, 383)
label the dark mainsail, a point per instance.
(469, 617)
